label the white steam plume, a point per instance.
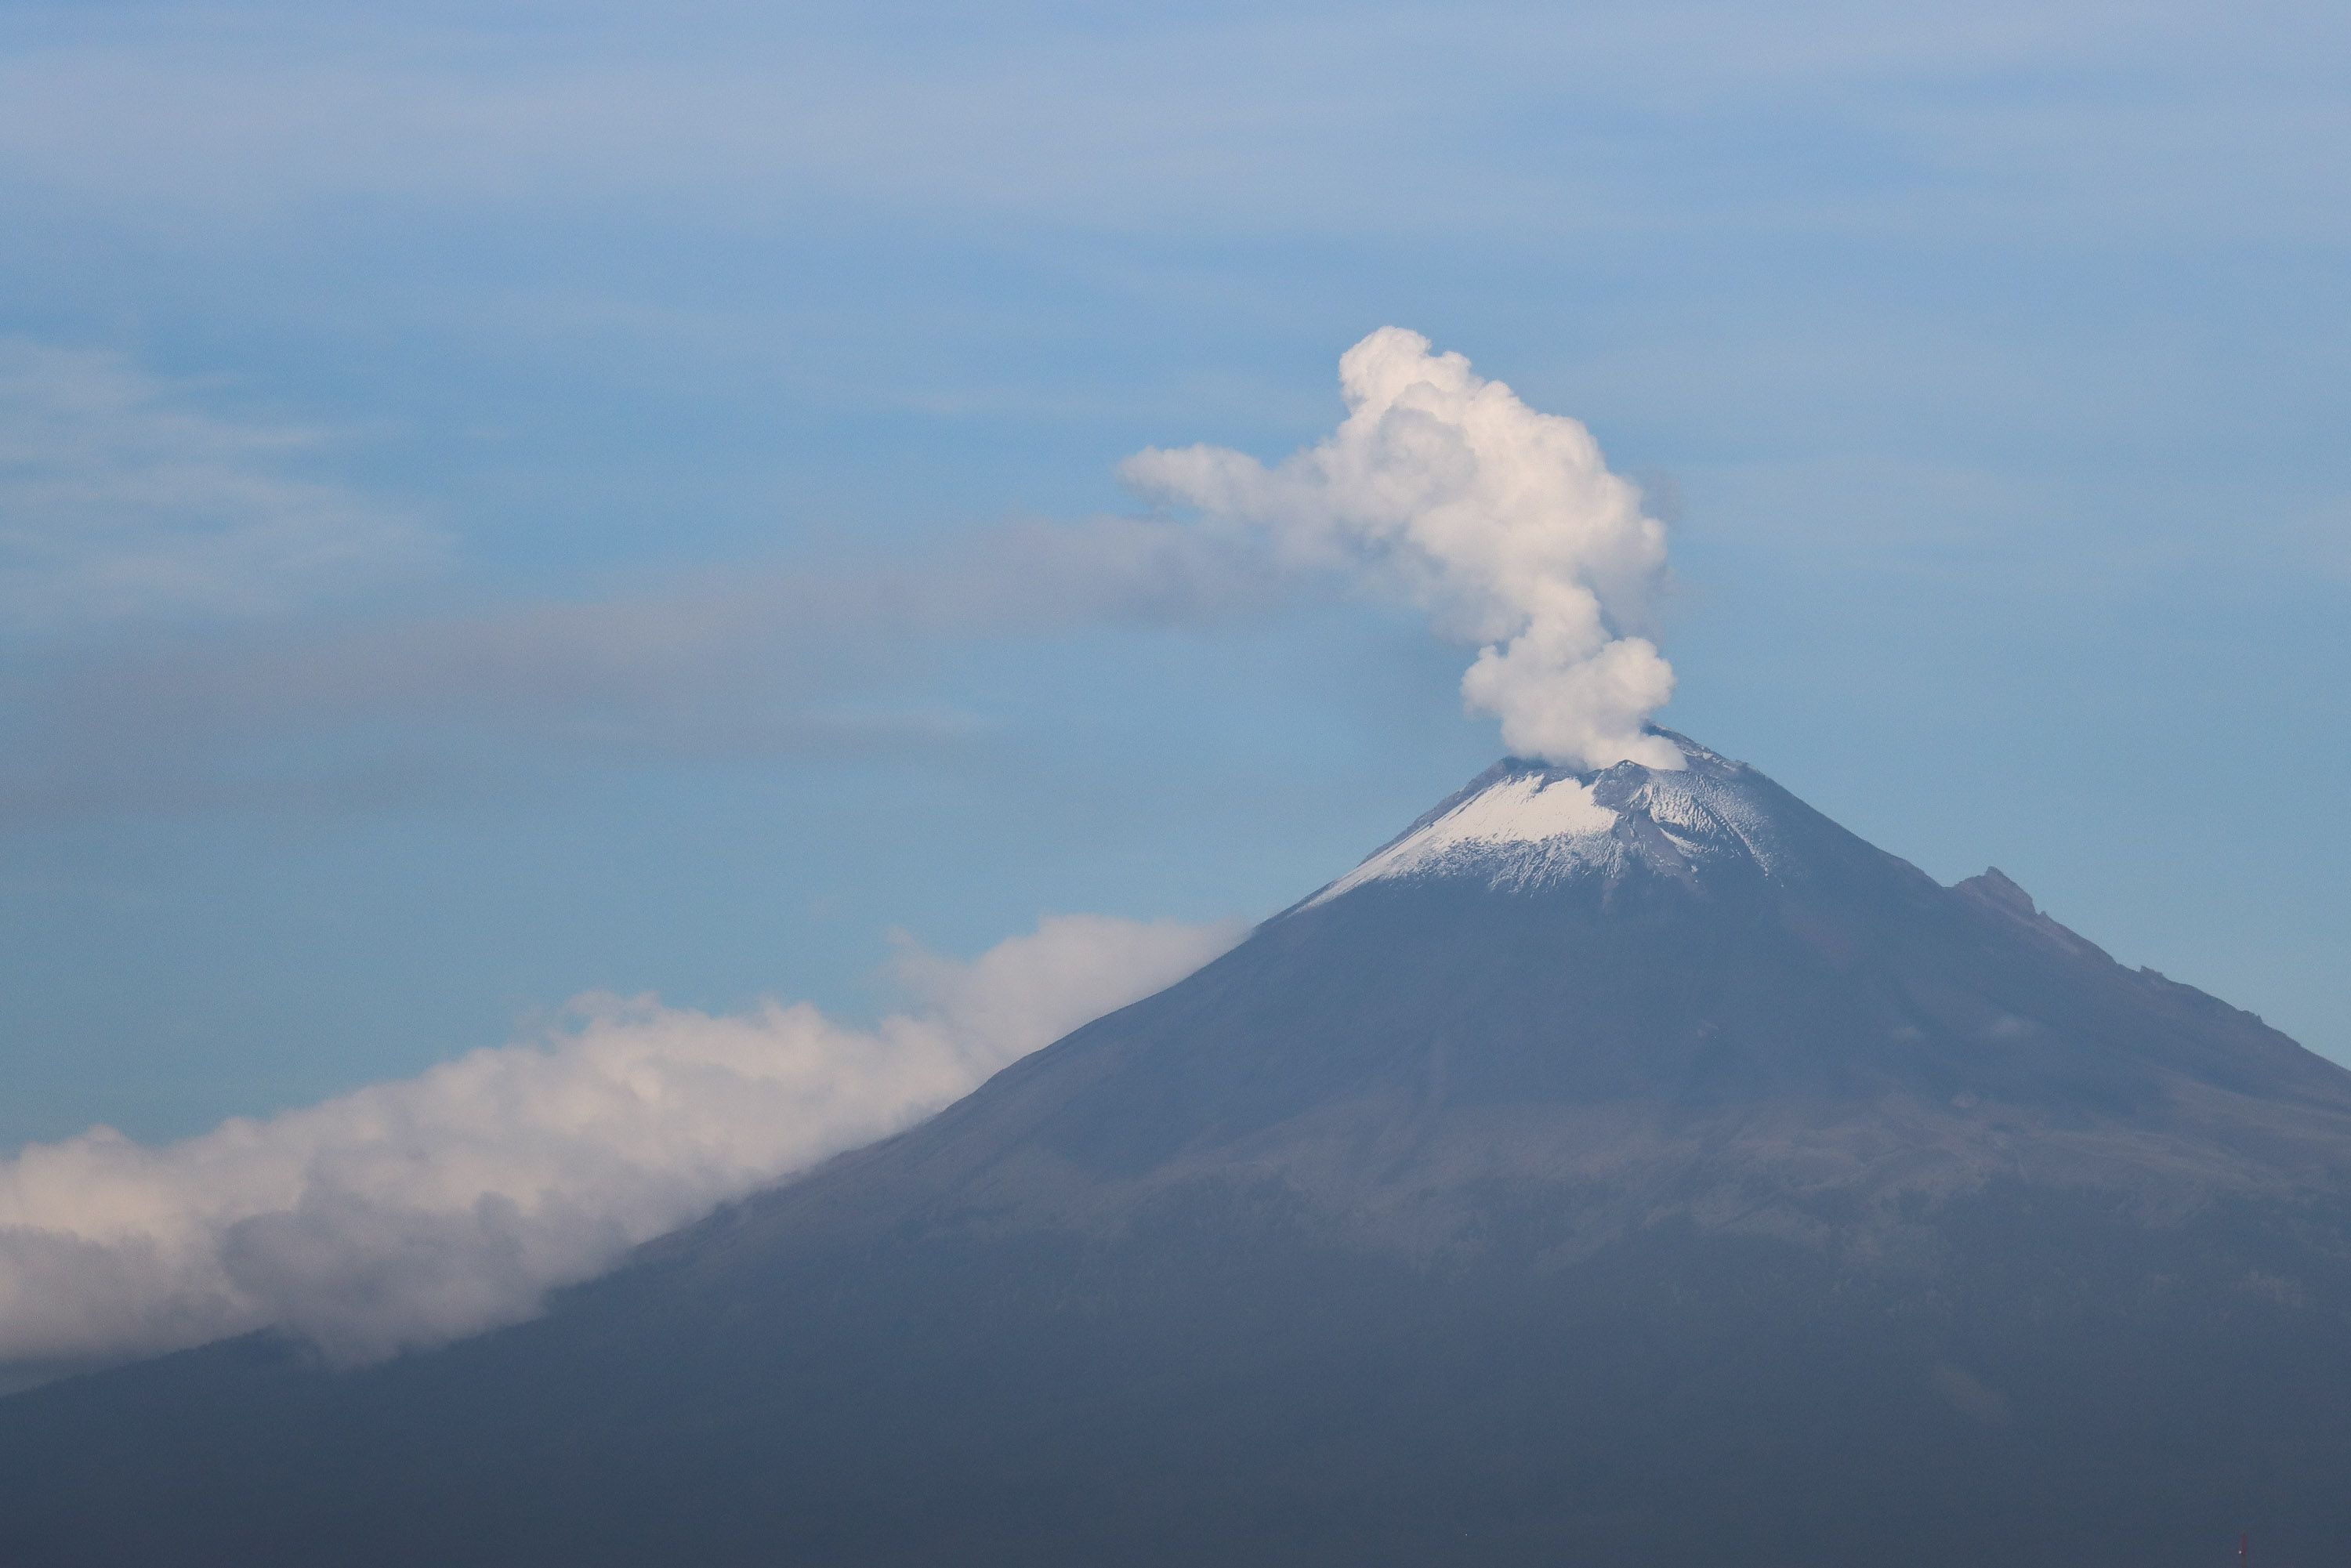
(413, 1212)
(1502, 521)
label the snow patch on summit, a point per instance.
(1530, 809)
(1524, 825)
(1527, 810)
(1710, 812)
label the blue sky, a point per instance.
(498, 502)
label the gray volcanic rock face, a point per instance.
(1626, 995)
(1629, 1163)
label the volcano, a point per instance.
(1625, 1166)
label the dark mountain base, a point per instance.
(1218, 1387)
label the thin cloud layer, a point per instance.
(300, 715)
(1313, 124)
(413, 1212)
(1502, 521)
(118, 503)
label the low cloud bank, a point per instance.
(410, 1213)
(1502, 521)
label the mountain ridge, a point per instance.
(1945, 1138)
(1702, 1184)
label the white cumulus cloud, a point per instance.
(413, 1212)
(1503, 521)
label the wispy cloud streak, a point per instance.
(118, 502)
(752, 663)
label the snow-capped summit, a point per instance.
(1523, 825)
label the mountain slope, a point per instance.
(1700, 972)
(1621, 1163)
